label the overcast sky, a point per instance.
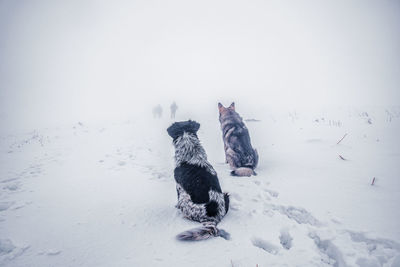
(62, 60)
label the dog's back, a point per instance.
(239, 153)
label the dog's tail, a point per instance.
(243, 171)
(247, 169)
(209, 229)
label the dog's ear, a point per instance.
(232, 106)
(173, 130)
(221, 108)
(192, 127)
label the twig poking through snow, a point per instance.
(373, 181)
(340, 156)
(341, 139)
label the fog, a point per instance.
(79, 60)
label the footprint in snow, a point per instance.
(8, 251)
(5, 205)
(272, 193)
(379, 250)
(300, 215)
(331, 254)
(52, 252)
(265, 245)
(9, 180)
(285, 239)
(12, 186)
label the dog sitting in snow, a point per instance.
(239, 153)
(200, 197)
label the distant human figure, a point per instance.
(173, 107)
(157, 111)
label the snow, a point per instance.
(82, 185)
(102, 193)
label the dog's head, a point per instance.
(226, 112)
(178, 128)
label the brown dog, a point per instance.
(239, 153)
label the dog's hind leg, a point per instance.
(179, 189)
(190, 210)
(231, 158)
(255, 158)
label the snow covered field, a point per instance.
(102, 193)
(86, 172)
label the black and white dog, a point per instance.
(200, 197)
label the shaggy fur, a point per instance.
(239, 153)
(199, 193)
